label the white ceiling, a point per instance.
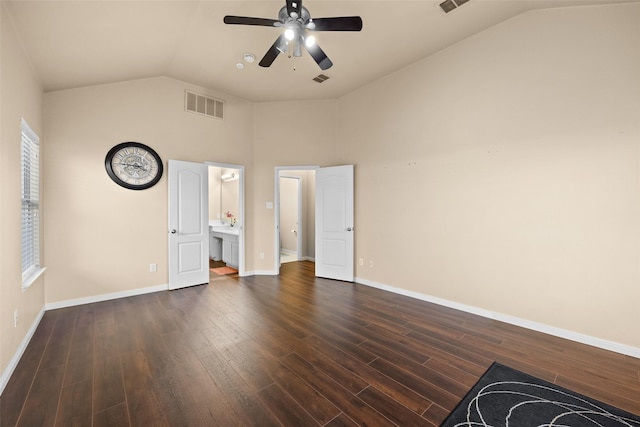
(82, 43)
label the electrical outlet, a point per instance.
(360, 261)
(370, 263)
(261, 255)
(153, 268)
(15, 318)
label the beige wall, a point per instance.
(500, 173)
(223, 196)
(289, 219)
(20, 96)
(503, 172)
(308, 219)
(215, 187)
(99, 237)
(230, 196)
(300, 133)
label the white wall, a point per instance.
(503, 172)
(20, 96)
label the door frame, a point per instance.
(241, 214)
(277, 209)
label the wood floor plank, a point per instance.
(351, 405)
(398, 391)
(75, 405)
(342, 420)
(282, 350)
(114, 416)
(390, 408)
(285, 408)
(80, 361)
(41, 405)
(239, 394)
(422, 386)
(313, 401)
(108, 386)
(144, 405)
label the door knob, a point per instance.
(173, 231)
(349, 228)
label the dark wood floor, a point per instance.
(290, 350)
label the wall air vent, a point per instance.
(321, 78)
(449, 5)
(204, 105)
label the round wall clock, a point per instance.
(133, 165)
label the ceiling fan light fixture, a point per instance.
(281, 45)
(310, 41)
(297, 50)
(289, 34)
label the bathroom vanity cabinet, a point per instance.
(224, 239)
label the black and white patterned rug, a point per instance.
(506, 397)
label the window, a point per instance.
(30, 205)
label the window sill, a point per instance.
(30, 279)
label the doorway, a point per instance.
(295, 214)
(328, 215)
(226, 216)
(291, 223)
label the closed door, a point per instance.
(188, 224)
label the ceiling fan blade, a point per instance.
(342, 23)
(294, 6)
(246, 20)
(319, 56)
(273, 52)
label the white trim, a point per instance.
(517, 321)
(262, 273)
(32, 277)
(241, 214)
(276, 210)
(6, 375)
(106, 297)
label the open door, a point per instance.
(188, 224)
(334, 223)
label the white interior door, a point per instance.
(334, 222)
(188, 224)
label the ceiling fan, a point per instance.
(296, 21)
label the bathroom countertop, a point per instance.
(224, 229)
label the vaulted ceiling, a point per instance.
(81, 43)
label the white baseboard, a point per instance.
(106, 297)
(309, 258)
(528, 324)
(6, 375)
(261, 273)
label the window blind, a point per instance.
(30, 201)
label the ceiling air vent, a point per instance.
(321, 78)
(449, 5)
(201, 104)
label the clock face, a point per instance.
(133, 165)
